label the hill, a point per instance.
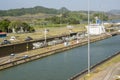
(115, 12)
(34, 10)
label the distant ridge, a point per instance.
(47, 12)
(114, 12)
(34, 10)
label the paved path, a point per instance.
(110, 73)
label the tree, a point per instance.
(15, 26)
(27, 28)
(4, 25)
(20, 27)
(101, 16)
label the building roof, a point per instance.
(3, 33)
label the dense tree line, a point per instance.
(15, 26)
(75, 18)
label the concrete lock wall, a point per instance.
(24, 46)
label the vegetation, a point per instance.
(35, 10)
(53, 31)
(74, 18)
(21, 20)
(23, 11)
(15, 26)
(4, 25)
(39, 9)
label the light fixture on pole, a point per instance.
(88, 39)
(45, 34)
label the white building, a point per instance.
(95, 29)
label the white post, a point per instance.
(88, 39)
(11, 57)
(45, 32)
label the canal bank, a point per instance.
(53, 50)
(64, 65)
(96, 68)
(107, 71)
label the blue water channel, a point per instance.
(63, 65)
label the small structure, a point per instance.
(3, 34)
(69, 27)
(13, 38)
(96, 29)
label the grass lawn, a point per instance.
(40, 32)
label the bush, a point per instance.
(31, 29)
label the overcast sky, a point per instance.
(96, 5)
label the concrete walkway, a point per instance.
(110, 73)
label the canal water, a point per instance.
(64, 65)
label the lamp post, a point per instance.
(88, 39)
(27, 46)
(45, 35)
(45, 32)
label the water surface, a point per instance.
(64, 65)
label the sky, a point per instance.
(74, 5)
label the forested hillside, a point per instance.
(34, 10)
